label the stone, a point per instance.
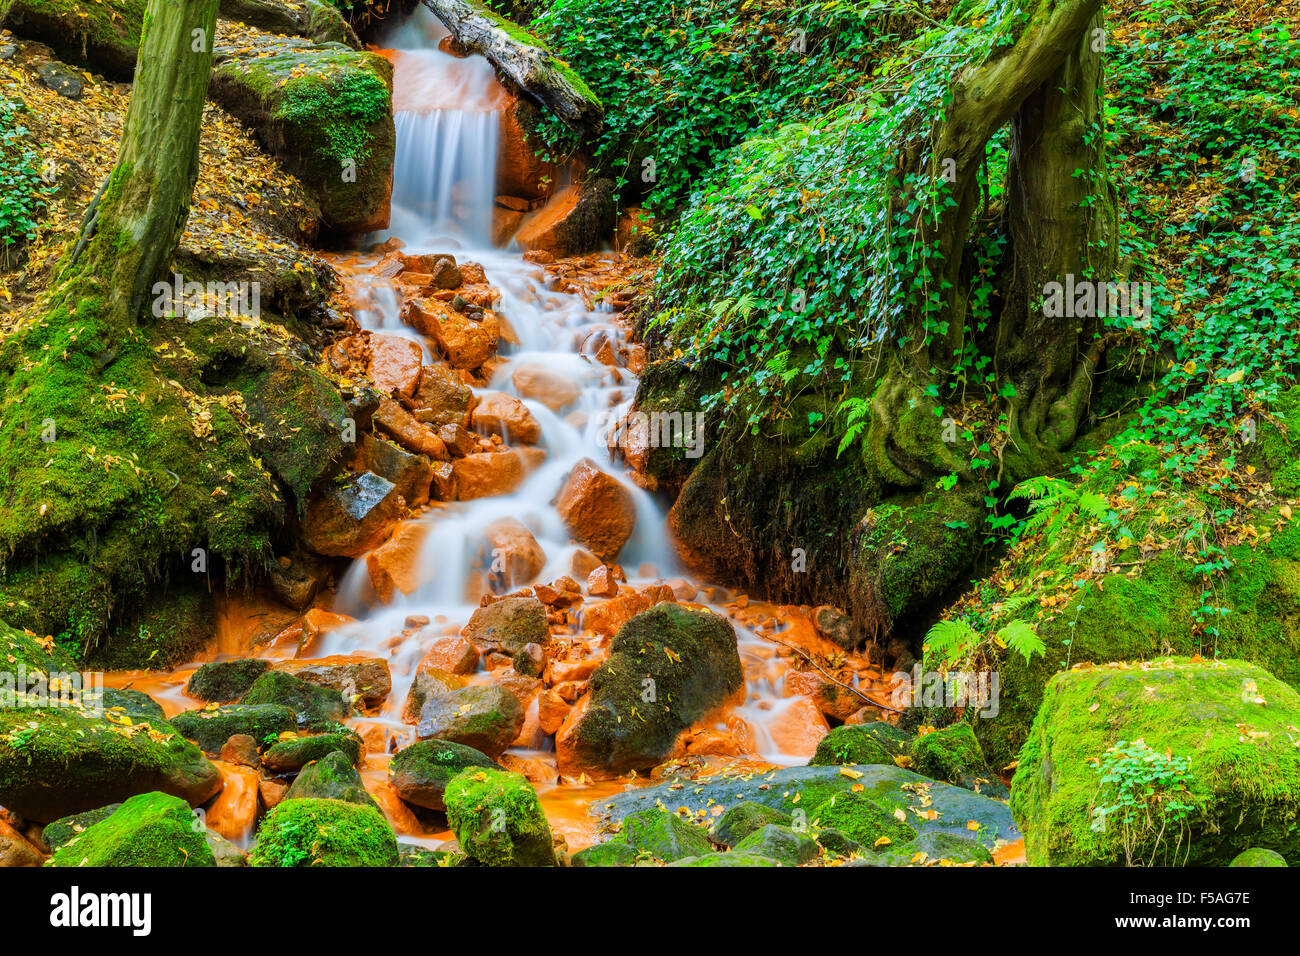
(498, 819)
(288, 756)
(552, 389)
(602, 583)
(597, 509)
(351, 516)
(394, 566)
(407, 431)
(780, 843)
(310, 702)
(411, 473)
(210, 728)
(516, 557)
(455, 655)
(324, 832)
(241, 750)
(352, 677)
(488, 719)
(739, 821)
(420, 773)
(442, 398)
(332, 777)
(500, 414)
(509, 624)
(489, 474)
(664, 835)
(394, 364)
(149, 829)
(465, 343)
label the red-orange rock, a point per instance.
(798, 727)
(601, 582)
(487, 474)
(551, 711)
(442, 398)
(608, 616)
(520, 171)
(409, 433)
(500, 414)
(234, 811)
(394, 364)
(515, 556)
(598, 511)
(833, 700)
(452, 654)
(553, 390)
(348, 518)
(394, 565)
(466, 343)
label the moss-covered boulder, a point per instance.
(863, 819)
(1256, 856)
(740, 821)
(420, 773)
(486, 719)
(664, 835)
(60, 831)
(780, 843)
(609, 853)
(733, 859)
(132, 703)
(1205, 748)
(859, 743)
(326, 112)
(213, 726)
(944, 847)
(836, 843)
(224, 681)
(23, 654)
(498, 819)
(333, 777)
(58, 761)
(422, 856)
(314, 19)
(311, 703)
(286, 756)
(103, 35)
(149, 829)
(301, 833)
(667, 668)
(953, 755)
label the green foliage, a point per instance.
(956, 642)
(1144, 793)
(344, 107)
(23, 193)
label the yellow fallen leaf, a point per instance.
(883, 841)
(850, 773)
(900, 815)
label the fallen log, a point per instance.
(524, 59)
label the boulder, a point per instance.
(57, 761)
(102, 36)
(488, 719)
(466, 343)
(489, 474)
(552, 389)
(211, 727)
(610, 853)
(575, 220)
(953, 755)
(498, 819)
(314, 832)
(516, 557)
(15, 850)
(455, 655)
(945, 847)
(312, 703)
(509, 624)
(394, 364)
(1256, 856)
(149, 829)
(500, 414)
(394, 567)
(296, 578)
(287, 756)
(780, 843)
(732, 859)
(420, 773)
(442, 398)
(664, 835)
(367, 678)
(332, 777)
(326, 112)
(352, 515)
(411, 473)
(314, 19)
(597, 509)
(741, 820)
(854, 744)
(864, 820)
(60, 831)
(1220, 735)
(686, 659)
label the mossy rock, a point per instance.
(210, 728)
(311, 703)
(691, 657)
(333, 777)
(420, 773)
(313, 19)
(851, 744)
(836, 843)
(326, 112)
(862, 819)
(486, 719)
(741, 820)
(1256, 856)
(57, 761)
(610, 853)
(60, 831)
(664, 835)
(172, 627)
(149, 829)
(732, 859)
(104, 36)
(498, 819)
(224, 681)
(953, 755)
(1232, 720)
(132, 703)
(422, 856)
(780, 843)
(36, 657)
(294, 754)
(945, 846)
(301, 833)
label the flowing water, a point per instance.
(447, 124)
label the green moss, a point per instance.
(332, 777)
(300, 751)
(664, 835)
(780, 843)
(311, 702)
(151, 829)
(952, 755)
(732, 859)
(300, 833)
(862, 819)
(610, 853)
(173, 628)
(498, 819)
(103, 35)
(945, 846)
(224, 681)
(37, 657)
(1232, 720)
(851, 744)
(743, 819)
(420, 773)
(1257, 857)
(60, 831)
(210, 728)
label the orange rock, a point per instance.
(353, 675)
(608, 616)
(520, 171)
(409, 433)
(530, 768)
(516, 557)
(505, 223)
(394, 565)
(442, 398)
(452, 654)
(460, 441)
(487, 474)
(234, 811)
(570, 690)
(598, 511)
(836, 702)
(710, 742)
(316, 624)
(394, 364)
(797, 727)
(16, 849)
(444, 482)
(562, 671)
(500, 414)
(466, 343)
(473, 273)
(241, 751)
(601, 582)
(271, 792)
(582, 563)
(550, 388)
(551, 711)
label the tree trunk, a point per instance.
(524, 60)
(131, 230)
(1047, 86)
